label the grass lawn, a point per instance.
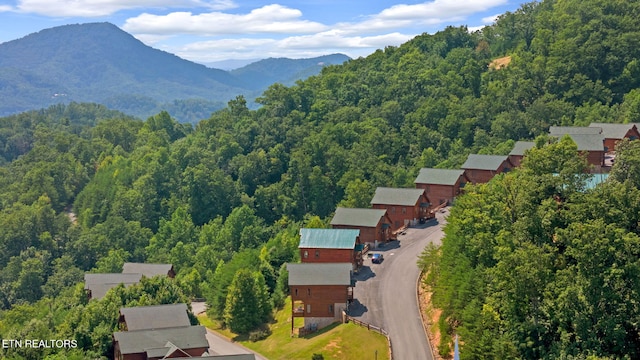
(339, 341)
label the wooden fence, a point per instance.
(370, 327)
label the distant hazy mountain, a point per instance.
(263, 73)
(230, 64)
(98, 62)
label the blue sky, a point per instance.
(207, 31)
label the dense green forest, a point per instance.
(84, 189)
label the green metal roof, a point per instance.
(439, 176)
(521, 146)
(156, 341)
(484, 162)
(155, 317)
(396, 196)
(613, 131)
(357, 217)
(595, 180)
(328, 238)
(319, 274)
(572, 130)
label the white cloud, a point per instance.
(294, 46)
(97, 8)
(490, 19)
(438, 9)
(5, 8)
(267, 19)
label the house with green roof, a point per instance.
(613, 133)
(482, 168)
(441, 185)
(404, 206)
(319, 292)
(331, 246)
(374, 224)
(517, 153)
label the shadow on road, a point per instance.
(364, 274)
(427, 224)
(356, 308)
(394, 244)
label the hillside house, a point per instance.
(175, 342)
(613, 133)
(404, 206)
(154, 317)
(482, 168)
(97, 285)
(441, 185)
(517, 154)
(330, 246)
(149, 270)
(319, 292)
(560, 131)
(374, 224)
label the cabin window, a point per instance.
(393, 210)
(306, 254)
(330, 309)
(317, 254)
(308, 308)
(296, 291)
(404, 210)
(309, 291)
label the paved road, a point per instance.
(385, 294)
(219, 345)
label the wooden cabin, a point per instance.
(97, 285)
(154, 317)
(374, 224)
(319, 292)
(517, 154)
(330, 246)
(156, 344)
(613, 133)
(404, 206)
(482, 168)
(441, 185)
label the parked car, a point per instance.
(377, 258)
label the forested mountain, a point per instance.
(233, 192)
(98, 62)
(260, 74)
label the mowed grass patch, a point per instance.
(338, 341)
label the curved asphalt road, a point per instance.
(385, 294)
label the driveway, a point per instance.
(219, 345)
(385, 294)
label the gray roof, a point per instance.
(439, 176)
(158, 342)
(587, 142)
(521, 146)
(397, 196)
(319, 274)
(357, 217)
(484, 162)
(568, 130)
(99, 284)
(148, 270)
(155, 317)
(328, 238)
(613, 131)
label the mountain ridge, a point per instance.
(99, 62)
